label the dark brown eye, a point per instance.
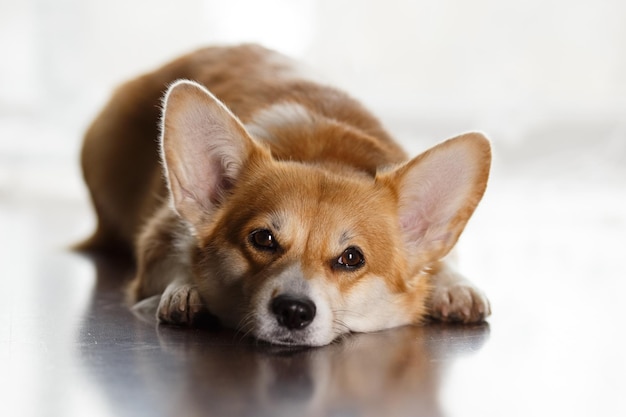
(263, 239)
(351, 258)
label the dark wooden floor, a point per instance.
(550, 258)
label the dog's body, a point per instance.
(285, 210)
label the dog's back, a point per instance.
(265, 90)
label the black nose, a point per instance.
(293, 312)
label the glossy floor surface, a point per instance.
(547, 248)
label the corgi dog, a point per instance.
(277, 204)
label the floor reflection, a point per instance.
(145, 369)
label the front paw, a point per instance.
(459, 302)
(180, 305)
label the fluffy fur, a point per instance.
(279, 205)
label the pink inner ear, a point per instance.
(204, 147)
(413, 228)
(219, 180)
(425, 222)
(439, 191)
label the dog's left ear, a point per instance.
(437, 194)
(204, 148)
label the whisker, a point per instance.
(245, 326)
(340, 327)
(350, 313)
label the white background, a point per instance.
(436, 67)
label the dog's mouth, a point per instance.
(276, 335)
(288, 342)
(282, 350)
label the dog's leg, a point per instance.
(454, 298)
(163, 268)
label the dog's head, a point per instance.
(298, 254)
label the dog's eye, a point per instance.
(263, 239)
(351, 258)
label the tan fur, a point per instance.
(267, 149)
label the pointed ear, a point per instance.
(204, 147)
(438, 192)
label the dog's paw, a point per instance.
(460, 302)
(180, 305)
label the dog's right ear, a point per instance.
(204, 147)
